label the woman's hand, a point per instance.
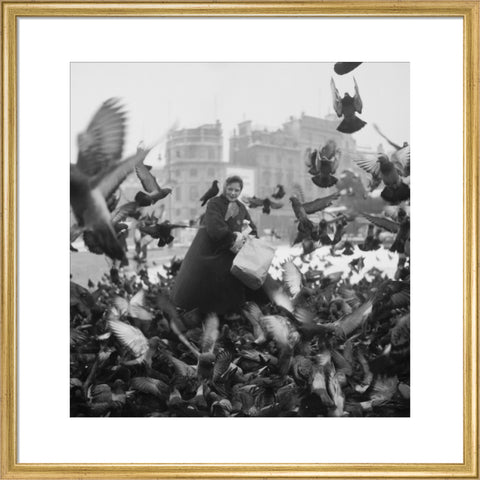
(238, 243)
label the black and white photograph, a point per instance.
(240, 239)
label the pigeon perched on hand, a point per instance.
(346, 107)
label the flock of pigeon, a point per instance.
(322, 345)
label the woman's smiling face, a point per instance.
(232, 191)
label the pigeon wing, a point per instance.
(150, 386)
(254, 202)
(109, 182)
(319, 204)
(210, 333)
(130, 337)
(137, 307)
(382, 222)
(401, 159)
(129, 209)
(357, 100)
(337, 101)
(276, 328)
(292, 278)
(370, 165)
(121, 305)
(103, 141)
(352, 321)
(148, 181)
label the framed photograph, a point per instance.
(238, 299)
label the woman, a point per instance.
(204, 280)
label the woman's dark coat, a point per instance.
(204, 280)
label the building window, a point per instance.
(211, 153)
(178, 212)
(178, 173)
(193, 172)
(178, 194)
(177, 153)
(193, 213)
(194, 193)
(211, 172)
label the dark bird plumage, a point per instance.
(319, 204)
(372, 240)
(341, 68)
(279, 192)
(402, 229)
(161, 231)
(150, 184)
(265, 203)
(301, 215)
(395, 191)
(210, 193)
(323, 163)
(98, 173)
(346, 107)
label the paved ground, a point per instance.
(86, 265)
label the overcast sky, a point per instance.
(158, 95)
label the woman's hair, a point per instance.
(234, 179)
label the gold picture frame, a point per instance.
(468, 11)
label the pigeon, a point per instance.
(135, 307)
(268, 205)
(161, 231)
(323, 164)
(319, 204)
(346, 107)
(141, 349)
(301, 215)
(395, 191)
(102, 398)
(210, 193)
(372, 241)
(206, 358)
(402, 229)
(341, 68)
(98, 173)
(397, 351)
(401, 157)
(279, 192)
(129, 209)
(280, 330)
(253, 313)
(150, 184)
(265, 203)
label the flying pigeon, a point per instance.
(346, 107)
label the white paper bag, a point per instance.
(252, 262)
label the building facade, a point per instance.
(262, 157)
(278, 157)
(193, 159)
